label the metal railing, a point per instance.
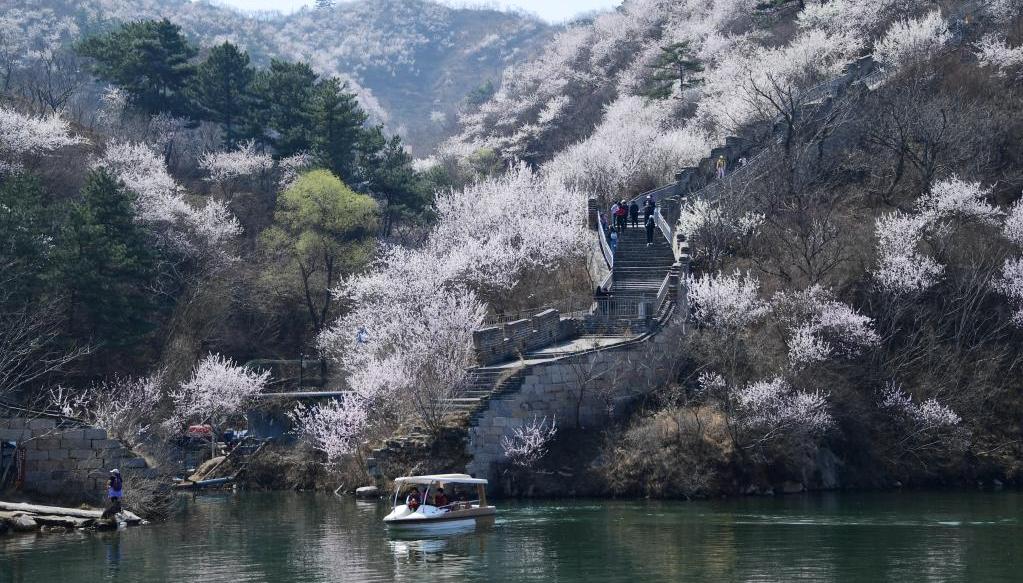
(663, 293)
(605, 247)
(572, 309)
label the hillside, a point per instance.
(411, 62)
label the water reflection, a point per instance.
(296, 537)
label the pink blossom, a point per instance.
(334, 427)
(217, 388)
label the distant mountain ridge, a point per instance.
(411, 61)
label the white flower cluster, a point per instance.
(217, 388)
(927, 415)
(995, 53)
(729, 302)
(773, 406)
(912, 41)
(21, 135)
(528, 443)
(125, 407)
(243, 162)
(333, 427)
(162, 201)
(821, 327)
(902, 268)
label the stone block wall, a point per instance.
(501, 343)
(67, 462)
(607, 379)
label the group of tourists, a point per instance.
(623, 213)
(416, 498)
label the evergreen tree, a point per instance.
(391, 178)
(339, 125)
(674, 67)
(108, 265)
(150, 60)
(26, 239)
(221, 89)
(283, 112)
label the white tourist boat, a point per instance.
(466, 505)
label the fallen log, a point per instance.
(36, 510)
(65, 521)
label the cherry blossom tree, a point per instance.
(921, 428)
(528, 443)
(161, 201)
(1010, 284)
(335, 427)
(996, 54)
(23, 135)
(125, 406)
(246, 161)
(760, 412)
(819, 327)
(730, 302)
(912, 41)
(217, 389)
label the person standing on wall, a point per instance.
(650, 225)
(648, 208)
(721, 165)
(634, 213)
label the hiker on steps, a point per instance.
(634, 213)
(614, 240)
(648, 208)
(614, 215)
(622, 216)
(650, 225)
(721, 165)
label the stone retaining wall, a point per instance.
(504, 342)
(608, 379)
(72, 462)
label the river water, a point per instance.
(277, 537)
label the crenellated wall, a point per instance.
(65, 461)
(510, 340)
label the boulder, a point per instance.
(23, 523)
(367, 492)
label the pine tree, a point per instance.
(26, 239)
(150, 60)
(390, 177)
(674, 68)
(221, 89)
(339, 125)
(283, 110)
(108, 265)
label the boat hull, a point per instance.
(437, 520)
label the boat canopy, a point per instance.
(445, 478)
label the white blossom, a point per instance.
(245, 161)
(901, 267)
(334, 427)
(528, 443)
(772, 407)
(912, 41)
(217, 388)
(928, 414)
(125, 407)
(953, 197)
(22, 135)
(726, 301)
(995, 53)
(821, 327)
(1013, 226)
(1010, 284)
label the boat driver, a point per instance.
(440, 499)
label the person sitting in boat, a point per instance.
(440, 499)
(413, 500)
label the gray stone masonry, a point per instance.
(67, 461)
(496, 344)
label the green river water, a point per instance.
(276, 537)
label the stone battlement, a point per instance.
(504, 342)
